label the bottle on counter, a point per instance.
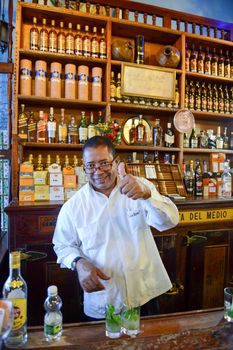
(15, 288)
(53, 316)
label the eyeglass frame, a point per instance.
(95, 168)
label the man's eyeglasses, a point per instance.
(104, 165)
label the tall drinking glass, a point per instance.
(6, 318)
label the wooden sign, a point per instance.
(210, 215)
(148, 81)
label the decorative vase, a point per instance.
(122, 50)
(168, 56)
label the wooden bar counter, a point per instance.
(189, 330)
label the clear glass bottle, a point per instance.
(140, 131)
(44, 37)
(91, 129)
(72, 131)
(51, 127)
(94, 44)
(62, 128)
(31, 128)
(186, 140)
(82, 131)
(34, 35)
(53, 316)
(15, 288)
(169, 137)
(193, 140)
(86, 43)
(70, 40)
(78, 42)
(219, 139)
(226, 181)
(61, 39)
(102, 45)
(112, 88)
(157, 133)
(52, 38)
(23, 124)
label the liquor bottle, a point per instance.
(200, 61)
(112, 88)
(226, 181)
(53, 316)
(78, 42)
(203, 97)
(211, 139)
(186, 99)
(225, 139)
(220, 99)
(118, 88)
(61, 40)
(58, 160)
(187, 59)
(157, 133)
(72, 131)
(23, 124)
(48, 162)
(15, 289)
(198, 180)
(191, 95)
(209, 98)
(205, 180)
(226, 100)
(193, 60)
(186, 141)
(219, 139)
(52, 38)
(66, 161)
(214, 63)
(62, 128)
(193, 140)
(215, 98)
(51, 127)
(86, 43)
(91, 129)
(99, 124)
(70, 40)
(197, 97)
(231, 141)
(34, 35)
(94, 44)
(231, 99)
(140, 131)
(82, 129)
(139, 49)
(220, 64)
(44, 37)
(177, 96)
(132, 133)
(231, 68)
(41, 128)
(203, 140)
(207, 62)
(30, 160)
(39, 166)
(75, 162)
(169, 137)
(31, 128)
(102, 45)
(227, 66)
(189, 179)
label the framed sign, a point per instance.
(148, 81)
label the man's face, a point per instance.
(102, 180)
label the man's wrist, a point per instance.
(74, 262)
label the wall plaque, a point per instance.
(148, 81)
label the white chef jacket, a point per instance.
(114, 234)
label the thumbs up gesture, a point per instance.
(130, 186)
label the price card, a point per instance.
(150, 172)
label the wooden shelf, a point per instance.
(206, 150)
(62, 58)
(136, 108)
(206, 40)
(59, 102)
(208, 77)
(147, 148)
(211, 115)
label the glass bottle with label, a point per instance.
(197, 97)
(193, 140)
(211, 139)
(169, 137)
(15, 289)
(231, 141)
(187, 59)
(112, 88)
(186, 99)
(231, 68)
(203, 97)
(214, 63)
(198, 180)
(51, 127)
(78, 42)
(61, 39)
(118, 88)
(72, 131)
(227, 66)
(205, 180)
(207, 62)
(215, 98)
(70, 40)
(177, 96)
(94, 44)
(220, 64)
(191, 95)
(140, 131)
(186, 140)
(209, 98)
(48, 162)
(226, 99)
(231, 99)
(200, 61)
(225, 139)
(82, 129)
(41, 128)
(31, 128)
(99, 124)
(103, 45)
(62, 128)
(86, 43)
(44, 37)
(23, 124)
(220, 99)
(39, 166)
(193, 60)
(226, 181)
(91, 129)
(189, 179)
(34, 35)
(157, 133)
(203, 140)
(139, 49)
(219, 139)
(52, 38)
(132, 133)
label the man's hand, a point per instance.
(134, 189)
(89, 276)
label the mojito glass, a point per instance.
(112, 322)
(131, 320)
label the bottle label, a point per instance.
(52, 329)
(51, 126)
(82, 79)
(94, 48)
(82, 134)
(20, 312)
(55, 76)
(207, 67)
(34, 40)
(78, 44)
(62, 132)
(43, 41)
(70, 44)
(187, 65)
(200, 67)
(91, 131)
(86, 47)
(227, 71)
(193, 65)
(103, 49)
(169, 139)
(40, 74)
(61, 44)
(31, 127)
(221, 70)
(70, 77)
(214, 69)
(53, 42)
(231, 71)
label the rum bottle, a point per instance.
(193, 60)
(70, 40)
(203, 97)
(198, 180)
(157, 133)
(15, 289)
(193, 140)
(214, 63)
(219, 139)
(140, 131)
(23, 124)
(72, 131)
(227, 66)
(61, 40)
(187, 59)
(82, 129)
(226, 100)
(215, 98)
(31, 128)
(78, 42)
(197, 97)
(225, 139)
(200, 61)
(169, 137)
(118, 88)
(112, 88)
(86, 43)
(41, 128)
(220, 64)
(51, 127)
(220, 99)
(44, 37)
(94, 44)
(52, 38)
(186, 99)
(34, 35)
(103, 45)
(91, 129)
(62, 128)
(191, 95)
(209, 98)
(207, 62)
(132, 133)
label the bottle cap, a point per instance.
(52, 290)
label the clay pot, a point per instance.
(122, 50)
(168, 56)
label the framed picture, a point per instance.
(148, 81)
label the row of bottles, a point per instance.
(116, 96)
(208, 97)
(44, 164)
(201, 183)
(15, 290)
(207, 139)
(80, 44)
(207, 63)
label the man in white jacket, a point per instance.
(104, 233)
